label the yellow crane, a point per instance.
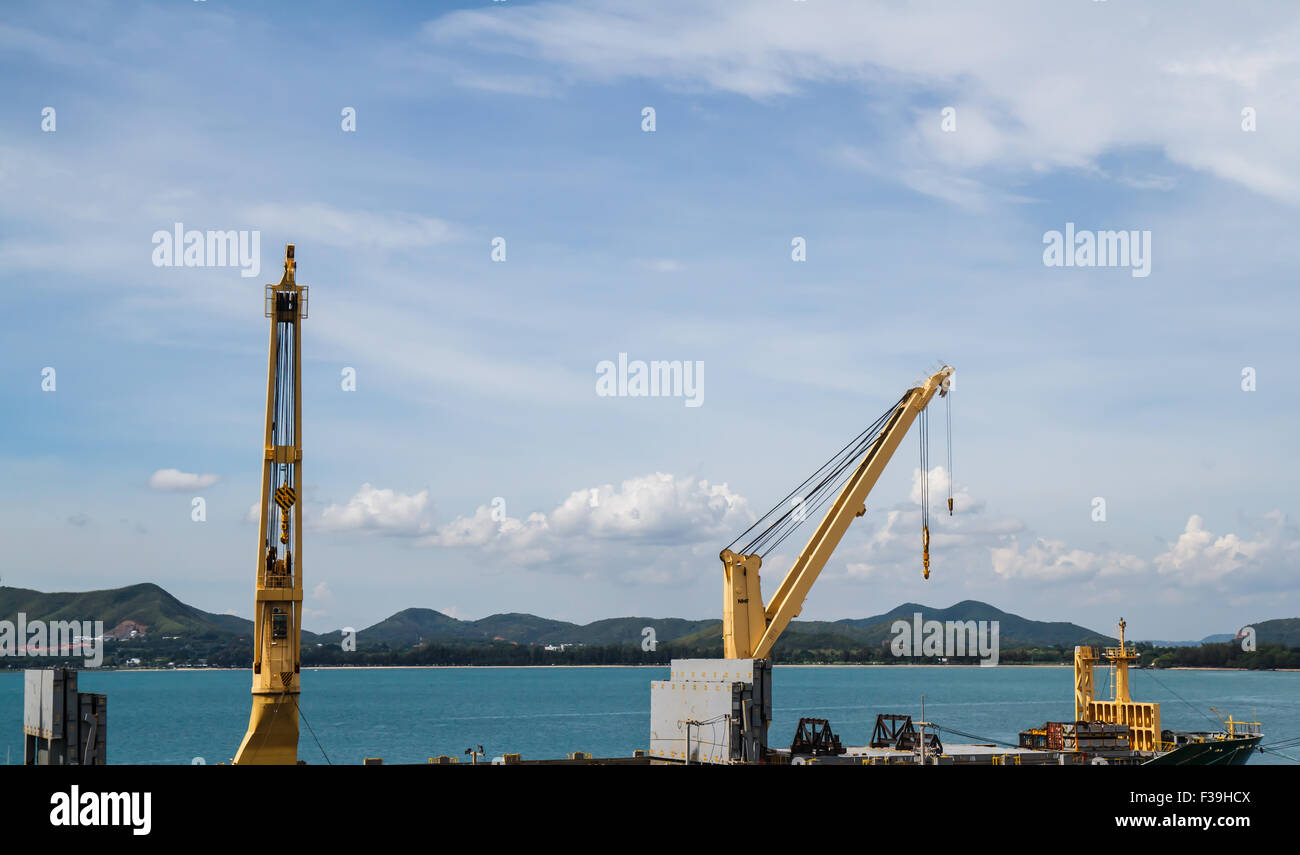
(272, 736)
(750, 628)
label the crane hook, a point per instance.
(925, 550)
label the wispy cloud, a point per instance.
(175, 479)
(333, 226)
(1133, 81)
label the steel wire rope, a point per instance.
(829, 477)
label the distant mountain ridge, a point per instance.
(146, 605)
(1277, 631)
(161, 614)
(411, 626)
(1013, 630)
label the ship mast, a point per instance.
(1143, 719)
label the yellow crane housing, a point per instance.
(272, 736)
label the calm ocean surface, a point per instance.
(407, 715)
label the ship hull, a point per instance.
(1219, 752)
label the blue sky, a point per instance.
(476, 379)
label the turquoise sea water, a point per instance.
(408, 715)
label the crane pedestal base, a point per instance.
(272, 738)
(712, 711)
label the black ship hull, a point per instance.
(1219, 752)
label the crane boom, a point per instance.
(272, 736)
(749, 628)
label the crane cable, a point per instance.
(311, 729)
(924, 433)
(283, 431)
(814, 493)
(982, 739)
(829, 480)
(1289, 742)
(1150, 673)
(948, 412)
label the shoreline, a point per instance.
(544, 667)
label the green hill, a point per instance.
(403, 629)
(412, 626)
(1280, 631)
(1013, 630)
(146, 605)
(160, 614)
(627, 630)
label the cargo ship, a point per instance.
(1125, 732)
(690, 723)
(718, 712)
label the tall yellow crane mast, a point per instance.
(272, 736)
(750, 629)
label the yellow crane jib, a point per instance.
(272, 736)
(750, 628)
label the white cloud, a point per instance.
(971, 546)
(1002, 550)
(666, 527)
(662, 513)
(1046, 560)
(520, 541)
(386, 511)
(962, 501)
(654, 508)
(1267, 559)
(174, 479)
(1043, 87)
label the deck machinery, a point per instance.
(272, 737)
